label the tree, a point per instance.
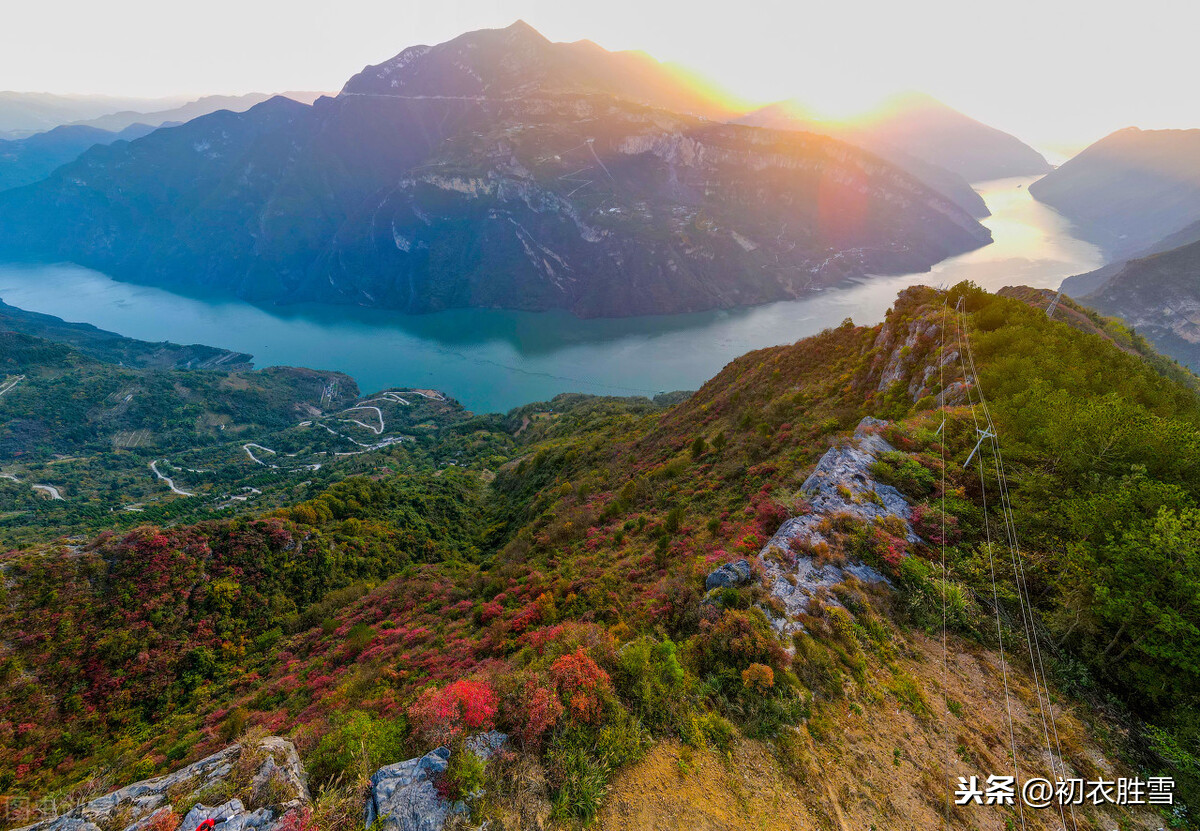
(1138, 617)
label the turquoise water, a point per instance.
(494, 360)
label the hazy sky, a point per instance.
(1051, 71)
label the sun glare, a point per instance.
(841, 103)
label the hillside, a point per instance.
(1159, 296)
(188, 433)
(574, 582)
(27, 160)
(1128, 191)
(531, 176)
(112, 348)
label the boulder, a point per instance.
(230, 816)
(729, 576)
(404, 796)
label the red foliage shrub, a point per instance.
(538, 712)
(927, 522)
(490, 611)
(891, 549)
(300, 819)
(581, 683)
(443, 715)
(163, 820)
(770, 515)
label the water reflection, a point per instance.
(494, 360)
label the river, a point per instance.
(494, 360)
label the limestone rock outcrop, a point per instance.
(842, 483)
(404, 796)
(241, 788)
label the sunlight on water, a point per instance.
(494, 360)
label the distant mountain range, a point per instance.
(498, 170)
(939, 145)
(27, 160)
(30, 159)
(122, 120)
(24, 113)
(1129, 191)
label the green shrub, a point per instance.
(464, 773)
(356, 744)
(654, 685)
(904, 473)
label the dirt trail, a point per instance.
(707, 793)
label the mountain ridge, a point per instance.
(918, 126)
(569, 198)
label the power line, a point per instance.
(1012, 738)
(1020, 579)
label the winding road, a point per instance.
(170, 482)
(10, 383)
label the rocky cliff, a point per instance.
(1159, 297)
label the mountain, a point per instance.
(1080, 285)
(25, 113)
(917, 126)
(27, 160)
(1130, 190)
(924, 127)
(495, 170)
(118, 121)
(497, 64)
(768, 605)
(1158, 295)
(789, 116)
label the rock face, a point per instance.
(275, 784)
(480, 173)
(1159, 296)
(841, 484)
(728, 576)
(404, 796)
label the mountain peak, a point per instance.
(518, 61)
(523, 29)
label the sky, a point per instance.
(1058, 73)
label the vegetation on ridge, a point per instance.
(555, 588)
